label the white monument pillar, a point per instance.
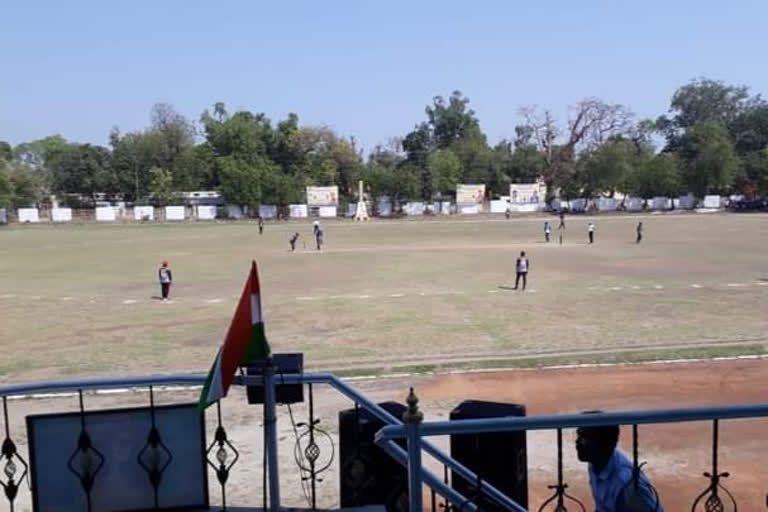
(362, 210)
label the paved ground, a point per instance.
(677, 455)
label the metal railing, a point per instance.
(223, 465)
(415, 432)
(222, 455)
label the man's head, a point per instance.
(596, 444)
(522, 254)
(165, 264)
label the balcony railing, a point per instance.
(223, 455)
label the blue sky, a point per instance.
(364, 68)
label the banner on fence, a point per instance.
(525, 193)
(3, 216)
(326, 211)
(235, 212)
(267, 211)
(106, 214)
(687, 202)
(323, 196)
(143, 213)
(499, 206)
(383, 207)
(28, 215)
(175, 213)
(470, 194)
(297, 211)
(206, 212)
(712, 201)
(524, 207)
(606, 204)
(661, 203)
(61, 215)
(414, 208)
(633, 204)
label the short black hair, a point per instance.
(606, 433)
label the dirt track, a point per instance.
(677, 455)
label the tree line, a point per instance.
(713, 139)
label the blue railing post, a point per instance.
(270, 437)
(412, 419)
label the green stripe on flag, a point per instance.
(258, 348)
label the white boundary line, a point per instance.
(140, 389)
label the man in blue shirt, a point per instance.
(611, 473)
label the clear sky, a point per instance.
(364, 68)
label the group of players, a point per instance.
(590, 230)
(317, 232)
(523, 265)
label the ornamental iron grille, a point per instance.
(224, 458)
(10, 460)
(86, 461)
(154, 457)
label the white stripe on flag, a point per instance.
(255, 309)
(215, 392)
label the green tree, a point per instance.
(26, 189)
(526, 164)
(161, 185)
(710, 161)
(606, 168)
(133, 155)
(82, 169)
(6, 189)
(445, 171)
(38, 153)
(752, 178)
(703, 100)
(658, 176)
(405, 183)
(476, 159)
(749, 131)
(176, 134)
(452, 120)
(6, 151)
(241, 182)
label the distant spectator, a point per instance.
(547, 230)
(293, 241)
(261, 225)
(562, 220)
(166, 278)
(591, 230)
(522, 265)
(611, 473)
(639, 232)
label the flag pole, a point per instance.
(270, 435)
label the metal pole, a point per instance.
(270, 437)
(413, 418)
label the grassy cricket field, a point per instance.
(384, 296)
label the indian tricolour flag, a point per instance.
(245, 342)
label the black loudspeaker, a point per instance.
(498, 458)
(284, 393)
(367, 474)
